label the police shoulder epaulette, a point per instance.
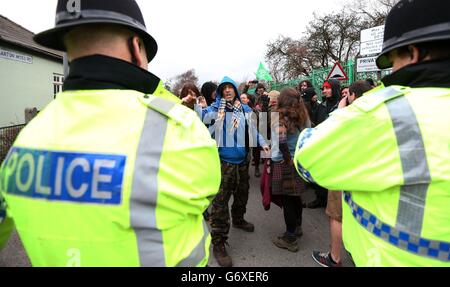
(176, 112)
(373, 100)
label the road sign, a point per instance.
(372, 41)
(337, 73)
(367, 65)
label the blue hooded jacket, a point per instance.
(231, 145)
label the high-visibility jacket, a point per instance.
(112, 178)
(390, 152)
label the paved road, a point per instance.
(247, 249)
(14, 255)
(257, 250)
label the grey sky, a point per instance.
(216, 38)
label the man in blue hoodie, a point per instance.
(228, 124)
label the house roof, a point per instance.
(15, 34)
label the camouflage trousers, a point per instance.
(235, 181)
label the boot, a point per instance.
(286, 242)
(221, 255)
(244, 225)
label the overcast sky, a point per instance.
(215, 38)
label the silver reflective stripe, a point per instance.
(414, 164)
(161, 105)
(198, 254)
(101, 14)
(387, 93)
(144, 192)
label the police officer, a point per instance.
(103, 176)
(390, 149)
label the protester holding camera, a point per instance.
(190, 95)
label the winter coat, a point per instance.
(233, 143)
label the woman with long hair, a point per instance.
(293, 119)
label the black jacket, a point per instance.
(425, 74)
(317, 113)
(100, 72)
(331, 104)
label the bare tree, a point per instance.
(329, 38)
(287, 58)
(374, 12)
(333, 37)
(179, 81)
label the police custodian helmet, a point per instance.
(72, 13)
(414, 22)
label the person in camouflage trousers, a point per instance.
(230, 125)
(235, 181)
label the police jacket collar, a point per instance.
(425, 74)
(100, 72)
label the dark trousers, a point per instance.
(292, 210)
(235, 180)
(256, 156)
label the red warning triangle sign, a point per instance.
(338, 73)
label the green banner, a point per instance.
(263, 74)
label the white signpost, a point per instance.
(367, 65)
(371, 47)
(372, 41)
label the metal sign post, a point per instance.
(66, 65)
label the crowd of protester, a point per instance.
(274, 118)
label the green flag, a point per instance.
(263, 74)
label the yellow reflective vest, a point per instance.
(112, 178)
(390, 152)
